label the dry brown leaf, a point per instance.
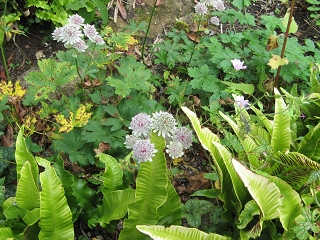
(7, 138)
(102, 147)
(272, 43)
(193, 37)
(158, 2)
(122, 9)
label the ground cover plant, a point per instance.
(99, 135)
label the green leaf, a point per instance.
(265, 193)
(86, 197)
(280, 139)
(194, 220)
(310, 143)
(250, 210)
(115, 205)
(150, 193)
(177, 233)
(32, 216)
(209, 193)
(113, 174)
(102, 7)
(23, 155)
(244, 87)
(293, 26)
(55, 215)
(28, 196)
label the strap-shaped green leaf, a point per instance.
(280, 139)
(178, 233)
(250, 209)
(310, 144)
(150, 193)
(55, 215)
(32, 216)
(115, 205)
(206, 137)
(265, 193)
(6, 233)
(28, 195)
(23, 155)
(113, 174)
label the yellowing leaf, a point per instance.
(293, 25)
(277, 61)
(7, 89)
(78, 120)
(272, 43)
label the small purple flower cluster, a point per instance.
(73, 32)
(162, 123)
(201, 8)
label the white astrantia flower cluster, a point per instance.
(72, 34)
(162, 123)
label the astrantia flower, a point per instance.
(56, 35)
(219, 5)
(242, 103)
(184, 136)
(130, 141)
(90, 31)
(174, 149)
(76, 19)
(143, 150)
(97, 40)
(141, 124)
(200, 8)
(81, 45)
(215, 21)
(208, 2)
(71, 34)
(163, 123)
(238, 65)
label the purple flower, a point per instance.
(76, 19)
(98, 40)
(184, 136)
(201, 8)
(141, 124)
(163, 123)
(242, 103)
(143, 150)
(302, 116)
(56, 35)
(238, 65)
(174, 149)
(219, 5)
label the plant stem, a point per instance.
(286, 35)
(2, 32)
(147, 32)
(195, 41)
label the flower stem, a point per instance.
(147, 32)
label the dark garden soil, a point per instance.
(23, 52)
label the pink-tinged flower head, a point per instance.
(56, 35)
(131, 141)
(81, 45)
(90, 31)
(200, 8)
(163, 123)
(241, 102)
(238, 65)
(141, 125)
(174, 149)
(98, 40)
(184, 136)
(143, 150)
(215, 21)
(76, 20)
(71, 34)
(219, 5)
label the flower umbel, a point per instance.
(143, 150)
(130, 141)
(242, 103)
(238, 65)
(141, 124)
(184, 136)
(163, 123)
(201, 8)
(174, 149)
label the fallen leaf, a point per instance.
(272, 43)
(7, 138)
(102, 147)
(122, 9)
(158, 2)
